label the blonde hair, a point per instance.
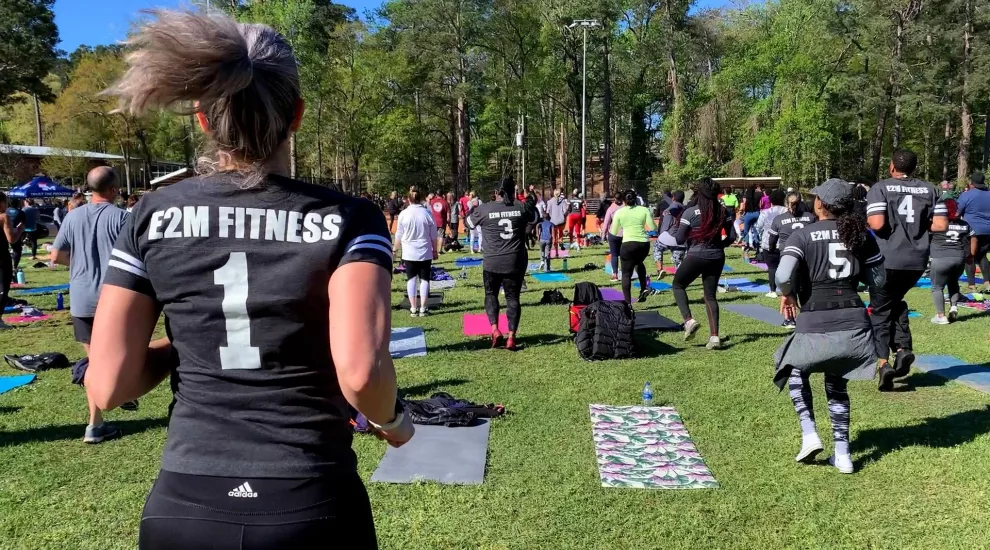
(242, 77)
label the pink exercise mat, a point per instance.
(476, 324)
(560, 254)
(26, 319)
(670, 269)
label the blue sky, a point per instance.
(95, 22)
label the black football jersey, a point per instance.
(575, 206)
(784, 225)
(953, 242)
(690, 221)
(503, 232)
(242, 275)
(909, 205)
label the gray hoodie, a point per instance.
(557, 207)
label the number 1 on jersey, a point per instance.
(238, 353)
(906, 208)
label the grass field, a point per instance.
(923, 453)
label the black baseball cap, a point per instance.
(978, 180)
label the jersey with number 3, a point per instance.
(503, 232)
(909, 205)
(241, 276)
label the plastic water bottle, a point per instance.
(647, 395)
(20, 277)
(60, 302)
(463, 273)
(565, 264)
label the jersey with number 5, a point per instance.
(241, 276)
(503, 232)
(909, 205)
(822, 253)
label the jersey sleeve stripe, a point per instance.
(876, 207)
(129, 259)
(772, 232)
(878, 259)
(128, 268)
(369, 238)
(370, 246)
(794, 250)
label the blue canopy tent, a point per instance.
(40, 187)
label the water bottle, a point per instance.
(565, 264)
(463, 273)
(20, 277)
(60, 302)
(647, 395)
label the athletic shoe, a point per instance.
(771, 295)
(101, 433)
(713, 343)
(902, 363)
(413, 313)
(661, 275)
(690, 329)
(886, 378)
(789, 325)
(423, 312)
(953, 314)
(614, 278)
(130, 406)
(811, 445)
(496, 339)
(940, 320)
(643, 295)
(843, 463)
(510, 344)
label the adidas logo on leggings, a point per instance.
(244, 491)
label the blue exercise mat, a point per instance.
(42, 290)
(745, 285)
(12, 309)
(8, 383)
(951, 368)
(656, 285)
(550, 277)
(467, 262)
(407, 342)
(727, 269)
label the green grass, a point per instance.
(922, 454)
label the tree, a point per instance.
(28, 36)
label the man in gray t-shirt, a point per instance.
(85, 243)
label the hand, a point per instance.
(400, 435)
(788, 307)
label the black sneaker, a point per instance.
(644, 295)
(130, 406)
(886, 378)
(902, 363)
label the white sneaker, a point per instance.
(811, 445)
(939, 320)
(423, 312)
(714, 343)
(690, 329)
(843, 463)
(772, 295)
(413, 313)
(953, 314)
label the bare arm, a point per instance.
(877, 222)
(122, 366)
(360, 329)
(60, 257)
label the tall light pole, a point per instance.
(585, 24)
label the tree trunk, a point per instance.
(463, 138)
(37, 122)
(677, 134)
(986, 140)
(894, 85)
(146, 153)
(454, 140)
(876, 142)
(607, 105)
(965, 115)
(187, 145)
(319, 138)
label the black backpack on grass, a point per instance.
(37, 363)
(606, 331)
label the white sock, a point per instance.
(411, 290)
(424, 294)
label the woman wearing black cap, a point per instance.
(503, 228)
(833, 335)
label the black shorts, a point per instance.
(233, 513)
(82, 327)
(421, 269)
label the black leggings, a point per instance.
(632, 255)
(18, 249)
(512, 283)
(235, 513)
(983, 248)
(710, 272)
(773, 262)
(6, 277)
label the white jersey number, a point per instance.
(952, 237)
(906, 208)
(238, 353)
(796, 226)
(507, 226)
(842, 267)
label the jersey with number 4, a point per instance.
(242, 275)
(503, 232)
(909, 205)
(824, 260)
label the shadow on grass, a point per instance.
(478, 343)
(647, 346)
(9, 410)
(732, 340)
(75, 431)
(938, 433)
(430, 387)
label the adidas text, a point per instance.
(244, 491)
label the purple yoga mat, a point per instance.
(612, 294)
(476, 324)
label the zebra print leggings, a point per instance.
(838, 406)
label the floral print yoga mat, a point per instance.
(646, 448)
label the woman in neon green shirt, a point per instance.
(632, 219)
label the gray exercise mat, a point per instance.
(453, 456)
(407, 342)
(758, 312)
(441, 285)
(433, 301)
(651, 320)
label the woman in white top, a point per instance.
(475, 235)
(416, 235)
